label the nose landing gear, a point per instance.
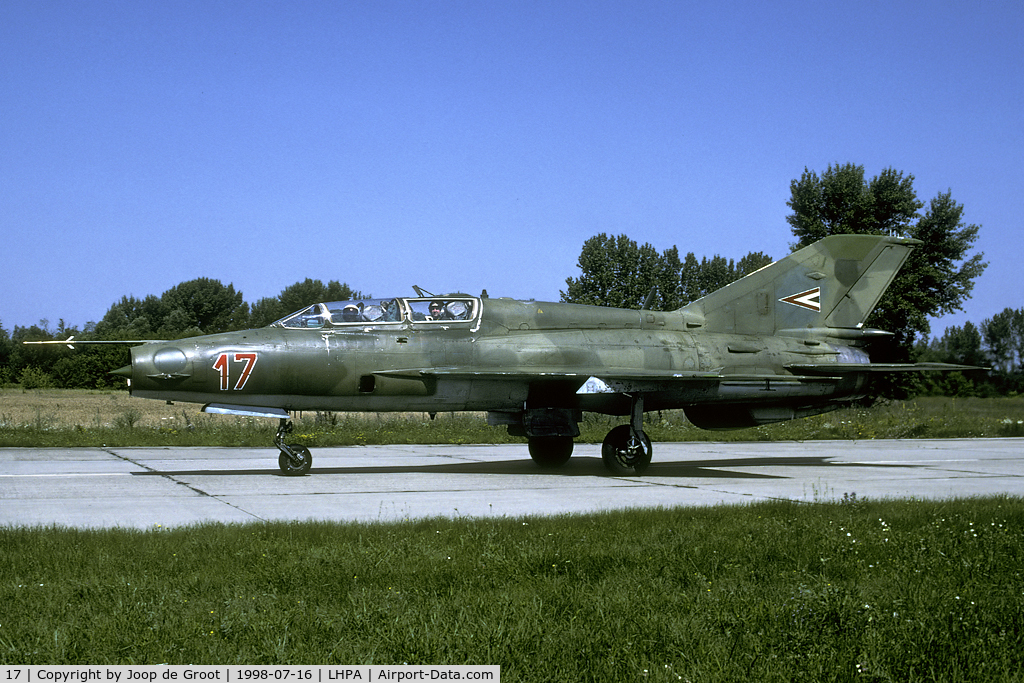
(626, 452)
(295, 459)
(627, 449)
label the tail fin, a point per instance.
(833, 283)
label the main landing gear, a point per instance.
(295, 459)
(627, 449)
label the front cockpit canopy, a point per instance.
(382, 311)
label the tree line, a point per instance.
(996, 343)
(616, 271)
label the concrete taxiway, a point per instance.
(146, 487)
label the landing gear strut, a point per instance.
(295, 459)
(627, 449)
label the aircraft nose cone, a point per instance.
(126, 371)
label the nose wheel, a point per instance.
(295, 459)
(627, 449)
(625, 452)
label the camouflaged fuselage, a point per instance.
(510, 355)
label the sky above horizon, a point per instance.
(462, 146)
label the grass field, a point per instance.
(92, 418)
(848, 591)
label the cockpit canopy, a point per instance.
(383, 311)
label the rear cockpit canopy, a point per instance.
(439, 309)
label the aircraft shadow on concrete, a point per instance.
(580, 466)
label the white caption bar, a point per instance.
(246, 674)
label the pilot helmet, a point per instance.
(350, 313)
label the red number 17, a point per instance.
(221, 365)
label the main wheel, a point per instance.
(290, 468)
(551, 451)
(624, 454)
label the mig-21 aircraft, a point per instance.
(785, 342)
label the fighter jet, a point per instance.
(785, 342)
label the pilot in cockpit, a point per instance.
(351, 314)
(437, 311)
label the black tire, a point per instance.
(622, 458)
(551, 451)
(289, 468)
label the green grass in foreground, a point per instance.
(855, 590)
(927, 417)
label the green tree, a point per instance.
(962, 345)
(841, 202)
(265, 311)
(755, 260)
(32, 377)
(90, 366)
(1004, 339)
(617, 272)
(667, 280)
(132, 318)
(700, 278)
(296, 297)
(301, 294)
(715, 272)
(6, 347)
(37, 360)
(1018, 337)
(690, 279)
(204, 304)
(200, 306)
(939, 274)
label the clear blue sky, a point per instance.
(471, 145)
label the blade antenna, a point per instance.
(650, 299)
